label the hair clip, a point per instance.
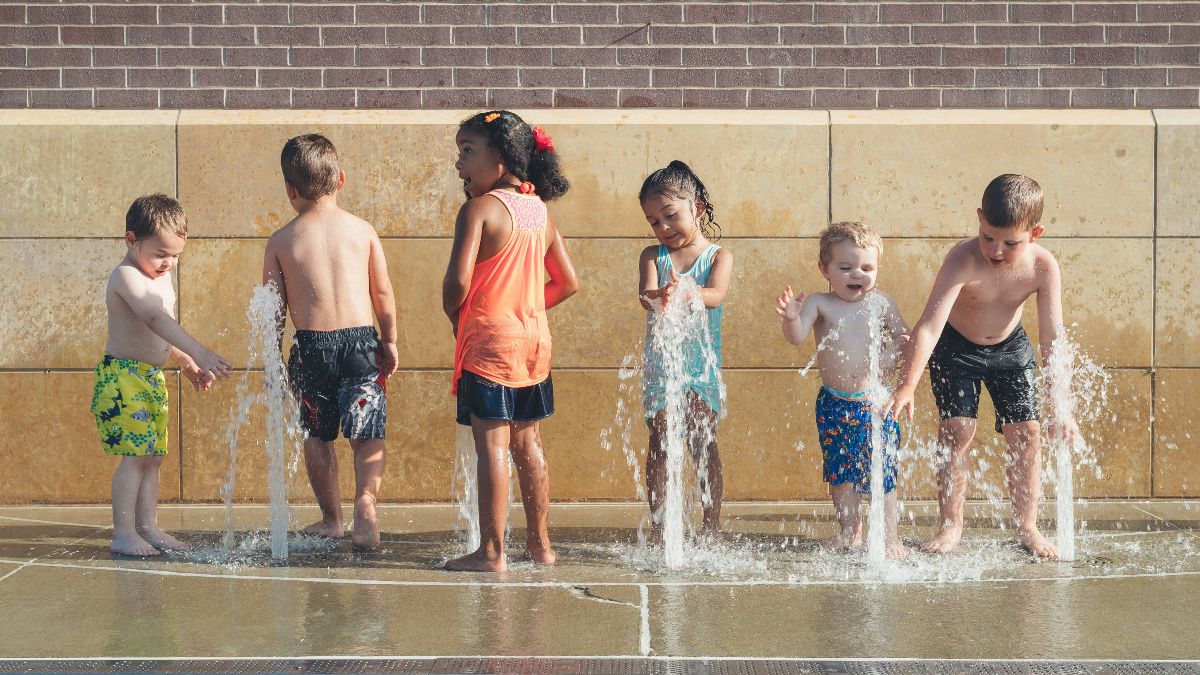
(542, 140)
(526, 188)
(491, 117)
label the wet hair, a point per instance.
(153, 214)
(678, 181)
(860, 234)
(509, 135)
(1013, 200)
(310, 166)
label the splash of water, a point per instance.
(463, 488)
(877, 561)
(620, 432)
(239, 413)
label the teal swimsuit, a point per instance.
(702, 376)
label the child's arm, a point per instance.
(563, 282)
(384, 303)
(468, 232)
(648, 278)
(273, 274)
(898, 329)
(1050, 328)
(799, 315)
(190, 370)
(131, 287)
(718, 280)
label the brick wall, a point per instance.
(600, 55)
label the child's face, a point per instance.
(157, 254)
(672, 219)
(478, 165)
(851, 270)
(1001, 247)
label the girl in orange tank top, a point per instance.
(496, 297)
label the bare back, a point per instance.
(988, 306)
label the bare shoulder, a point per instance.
(361, 227)
(724, 255)
(124, 277)
(649, 253)
(1044, 261)
(960, 260)
(283, 234)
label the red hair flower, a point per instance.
(542, 140)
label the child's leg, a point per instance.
(891, 511)
(656, 474)
(369, 461)
(1025, 484)
(534, 475)
(320, 462)
(702, 428)
(846, 507)
(954, 442)
(126, 485)
(491, 450)
(147, 509)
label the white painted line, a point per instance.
(49, 522)
(33, 561)
(1173, 525)
(597, 657)
(645, 619)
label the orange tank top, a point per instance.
(502, 329)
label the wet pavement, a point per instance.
(767, 591)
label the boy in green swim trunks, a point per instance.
(129, 399)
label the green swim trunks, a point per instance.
(129, 401)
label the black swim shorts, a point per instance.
(1008, 369)
(488, 400)
(336, 376)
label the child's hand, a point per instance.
(200, 382)
(213, 365)
(788, 306)
(900, 402)
(1065, 431)
(389, 357)
(665, 293)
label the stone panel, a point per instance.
(1177, 304)
(1176, 441)
(74, 173)
(1178, 173)
(922, 173)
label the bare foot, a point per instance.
(944, 541)
(163, 541)
(132, 545)
(540, 554)
(323, 529)
(656, 536)
(842, 542)
(1033, 541)
(366, 524)
(896, 550)
(478, 562)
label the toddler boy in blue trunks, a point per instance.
(330, 271)
(970, 333)
(850, 321)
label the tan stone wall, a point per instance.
(1122, 213)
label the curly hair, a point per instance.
(509, 135)
(677, 180)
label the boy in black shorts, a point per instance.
(971, 333)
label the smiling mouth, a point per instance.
(854, 287)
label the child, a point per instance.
(129, 398)
(680, 214)
(971, 331)
(494, 293)
(842, 322)
(331, 274)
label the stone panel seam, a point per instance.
(1154, 305)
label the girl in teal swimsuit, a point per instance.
(680, 214)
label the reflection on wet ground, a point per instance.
(765, 590)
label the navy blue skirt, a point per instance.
(489, 400)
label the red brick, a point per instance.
(125, 56)
(844, 98)
(336, 78)
(1104, 56)
(481, 36)
(387, 56)
(325, 56)
(780, 99)
(616, 35)
(191, 56)
(814, 77)
(258, 98)
(25, 77)
(909, 98)
(1167, 56)
(651, 98)
(783, 12)
(253, 56)
(92, 35)
(647, 56)
(910, 12)
(190, 14)
(717, 12)
(650, 13)
(288, 35)
(420, 77)
(865, 78)
(748, 35)
(277, 78)
(58, 15)
(943, 35)
(520, 98)
(222, 35)
(256, 15)
(389, 98)
(486, 77)
(617, 77)
(551, 77)
(1138, 35)
(1105, 12)
(11, 57)
(159, 35)
(1101, 98)
(681, 35)
(59, 56)
(942, 77)
(550, 35)
(1187, 35)
(748, 77)
(460, 15)
(499, 15)
(844, 56)
(424, 36)
(585, 56)
(223, 77)
(974, 56)
(13, 13)
(972, 98)
(586, 98)
(28, 35)
(914, 56)
(975, 12)
(1169, 12)
(813, 35)
(1039, 56)
(683, 77)
(454, 98)
(353, 35)
(715, 99)
(1043, 12)
(60, 98)
(1072, 77)
(93, 77)
(864, 12)
(1168, 98)
(17, 98)
(157, 78)
(520, 56)
(1058, 35)
(193, 98)
(715, 56)
(454, 56)
(1185, 76)
(781, 56)
(388, 14)
(585, 14)
(1038, 98)
(877, 35)
(1007, 35)
(126, 99)
(125, 15)
(322, 14)
(1135, 77)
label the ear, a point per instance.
(824, 267)
(979, 214)
(341, 179)
(1036, 232)
(130, 238)
(291, 191)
